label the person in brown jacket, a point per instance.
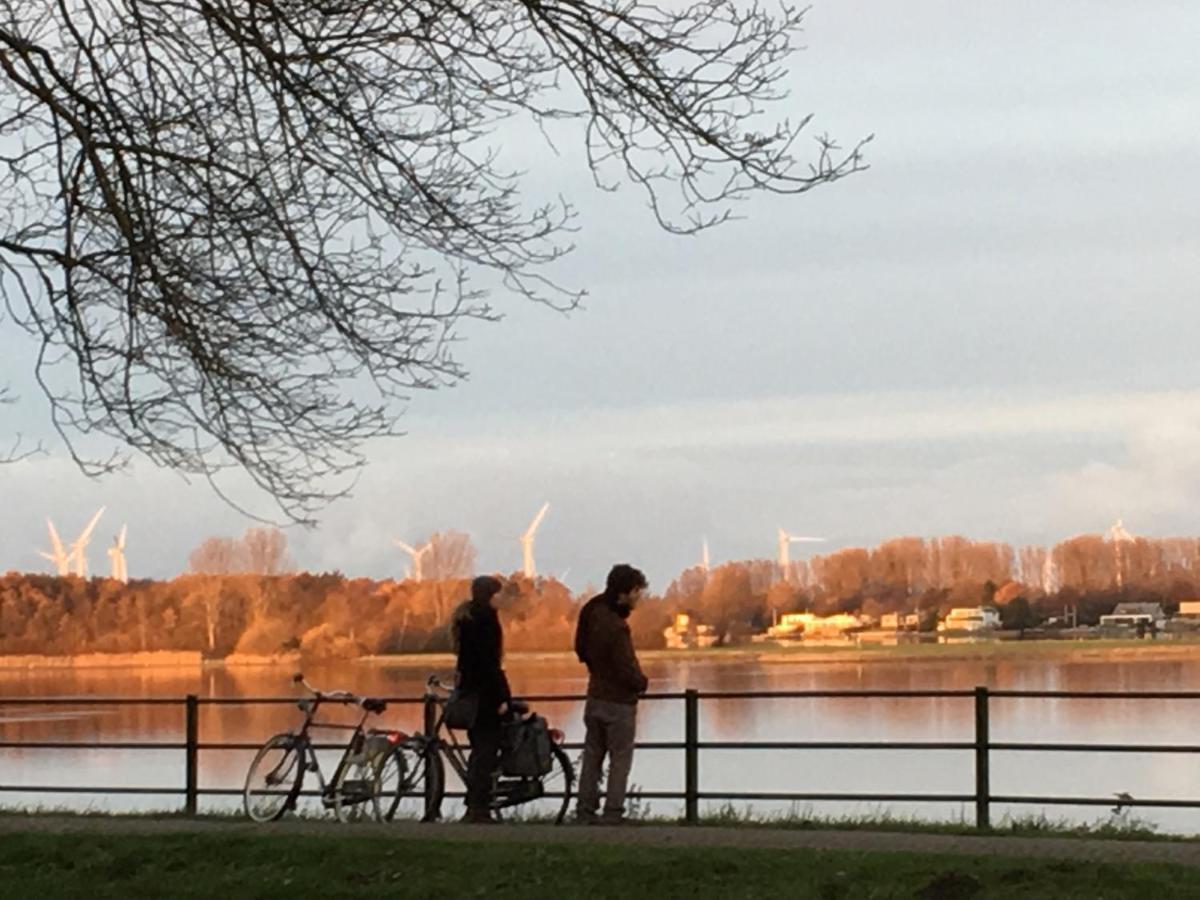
(615, 681)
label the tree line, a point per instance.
(243, 596)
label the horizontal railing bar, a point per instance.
(454, 795)
(80, 789)
(580, 698)
(1097, 748)
(790, 695)
(788, 796)
(1006, 746)
(88, 745)
(325, 704)
(91, 701)
(836, 745)
(1098, 695)
(1095, 801)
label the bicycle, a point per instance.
(507, 791)
(362, 783)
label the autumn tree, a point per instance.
(450, 555)
(266, 552)
(218, 556)
(1031, 565)
(729, 600)
(243, 233)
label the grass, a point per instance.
(1120, 827)
(366, 865)
(1114, 827)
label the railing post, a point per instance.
(432, 813)
(191, 762)
(691, 756)
(983, 787)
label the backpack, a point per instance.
(526, 749)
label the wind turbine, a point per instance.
(78, 552)
(58, 554)
(527, 542)
(116, 553)
(417, 554)
(704, 561)
(785, 542)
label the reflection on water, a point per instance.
(782, 719)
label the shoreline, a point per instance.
(1097, 649)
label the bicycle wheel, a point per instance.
(402, 778)
(356, 793)
(560, 780)
(275, 777)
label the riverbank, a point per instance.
(101, 858)
(851, 653)
(1099, 649)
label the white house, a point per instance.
(1130, 615)
(971, 618)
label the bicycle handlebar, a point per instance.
(335, 696)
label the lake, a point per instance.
(1160, 776)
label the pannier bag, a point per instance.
(526, 748)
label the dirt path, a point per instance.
(1082, 849)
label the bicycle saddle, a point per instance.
(373, 705)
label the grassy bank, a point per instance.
(768, 652)
(1098, 648)
(368, 865)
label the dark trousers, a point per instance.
(485, 756)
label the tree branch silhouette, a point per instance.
(245, 232)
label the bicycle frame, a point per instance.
(354, 746)
(507, 791)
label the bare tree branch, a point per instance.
(16, 452)
(244, 232)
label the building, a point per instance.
(1134, 615)
(687, 632)
(900, 621)
(971, 618)
(1189, 609)
(796, 626)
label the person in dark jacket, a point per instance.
(604, 644)
(479, 641)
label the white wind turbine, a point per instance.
(417, 554)
(704, 560)
(116, 553)
(529, 568)
(785, 542)
(79, 547)
(58, 553)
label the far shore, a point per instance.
(1108, 649)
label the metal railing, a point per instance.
(981, 747)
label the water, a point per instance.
(1160, 776)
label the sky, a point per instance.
(992, 332)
